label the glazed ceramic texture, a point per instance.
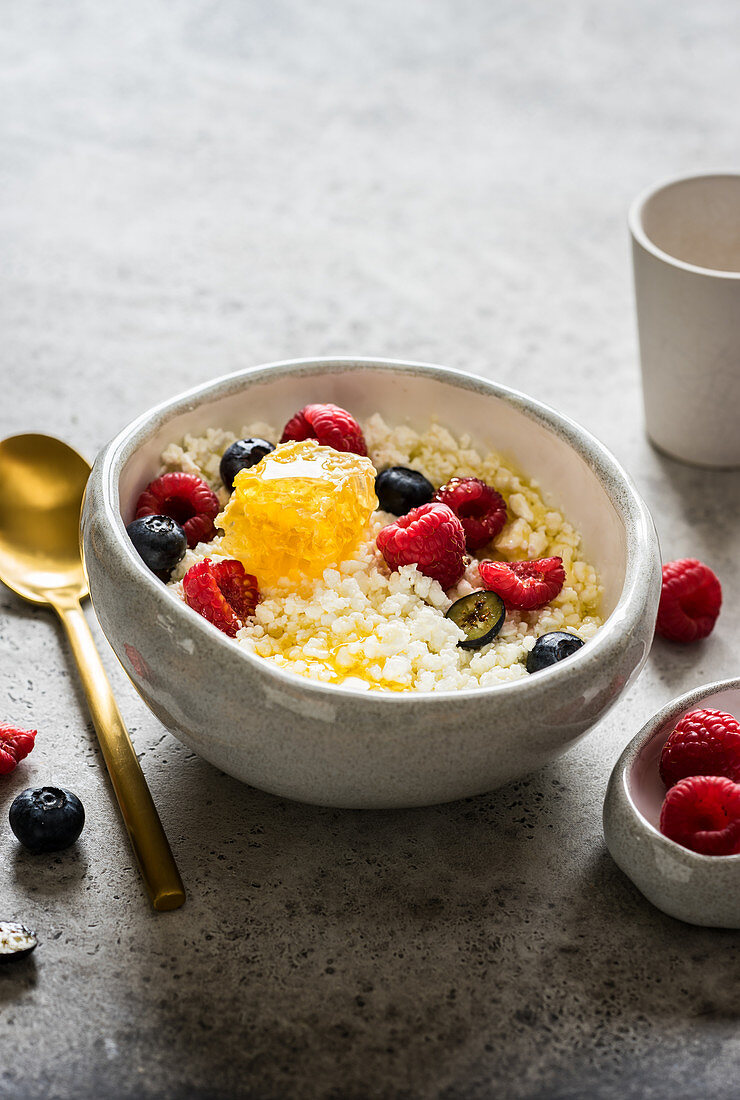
(332, 745)
(694, 888)
(687, 289)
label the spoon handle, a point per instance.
(140, 816)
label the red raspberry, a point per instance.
(15, 745)
(481, 510)
(704, 742)
(702, 813)
(524, 585)
(431, 537)
(330, 425)
(689, 601)
(222, 593)
(186, 499)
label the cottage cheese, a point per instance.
(366, 627)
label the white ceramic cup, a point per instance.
(686, 254)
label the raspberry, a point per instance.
(524, 585)
(689, 601)
(15, 745)
(481, 510)
(222, 593)
(704, 742)
(431, 537)
(332, 426)
(702, 812)
(186, 499)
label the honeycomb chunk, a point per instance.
(299, 510)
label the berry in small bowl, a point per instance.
(480, 509)
(400, 490)
(187, 499)
(480, 616)
(550, 648)
(160, 542)
(242, 455)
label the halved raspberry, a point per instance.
(689, 601)
(223, 593)
(15, 745)
(185, 498)
(702, 812)
(431, 537)
(480, 509)
(704, 742)
(330, 425)
(524, 585)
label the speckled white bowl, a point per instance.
(694, 888)
(332, 745)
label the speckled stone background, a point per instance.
(191, 187)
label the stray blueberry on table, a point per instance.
(47, 819)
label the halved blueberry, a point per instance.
(400, 489)
(480, 615)
(551, 648)
(240, 456)
(159, 541)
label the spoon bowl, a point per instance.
(42, 486)
(42, 483)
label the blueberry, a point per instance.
(399, 490)
(47, 819)
(159, 541)
(480, 615)
(551, 648)
(16, 941)
(240, 456)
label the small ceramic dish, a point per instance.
(694, 888)
(326, 743)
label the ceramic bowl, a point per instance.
(334, 745)
(694, 888)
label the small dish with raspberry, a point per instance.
(672, 808)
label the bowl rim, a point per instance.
(640, 236)
(631, 509)
(634, 748)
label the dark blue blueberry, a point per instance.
(551, 648)
(240, 456)
(480, 615)
(16, 941)
(47, 819)
(159, 541)
(399, 490)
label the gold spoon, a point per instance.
(42, 483)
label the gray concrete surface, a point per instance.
(187, 188)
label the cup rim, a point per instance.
(634, 220)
